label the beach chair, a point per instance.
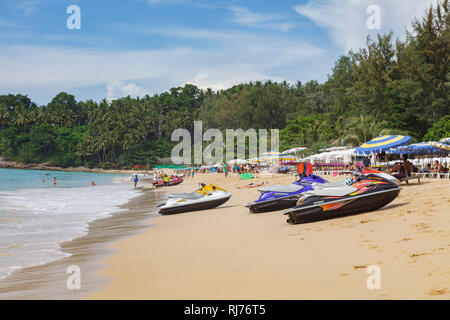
(411, 177)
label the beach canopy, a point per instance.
(293, 150)
(382, 143)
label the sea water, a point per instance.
(36, 216)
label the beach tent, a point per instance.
(382, 143)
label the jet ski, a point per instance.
(173, 181)
(207, 197)
(329, 200)
(280, 197)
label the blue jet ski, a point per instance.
(280, 197)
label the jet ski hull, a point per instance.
(193, 206)
(273, 201)
(311, 210)
(273, 205)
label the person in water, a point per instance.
(136, 179)
(93, 183)
(54, 181)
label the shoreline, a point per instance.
(228, 253)
(43, 166)
(48, 281)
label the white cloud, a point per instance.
(345, 20)
(245, 17)
(7, 24)
(42, 72)
(28, 7)
(117, 89)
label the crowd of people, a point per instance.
(225, 169)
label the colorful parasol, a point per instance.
(421, 148)
(293, 150)
(382, 143)
(270, 154)
(440, 145)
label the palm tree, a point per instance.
(363, 129)
(4, 115)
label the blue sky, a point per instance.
(140, 47)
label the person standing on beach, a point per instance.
(136, 179)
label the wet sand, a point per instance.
(48, 281)
(228, 253)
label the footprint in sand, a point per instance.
(437, 292)
(366, 221)
(415, 255)
(359, 267)
(343, 274)
(421, 226)
(404, 240)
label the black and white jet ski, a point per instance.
(329, 200)
(207, 197)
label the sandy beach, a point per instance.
(228, 253)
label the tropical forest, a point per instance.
(387, 87)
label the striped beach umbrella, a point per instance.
(440, 145)
(421, 148)
(293, 150)
(445, 140)
(382, 143)
(271, 154)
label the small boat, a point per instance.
(279, 197)
(329, 200)
(173, 181)
(207, 197)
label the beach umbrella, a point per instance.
(237, 161)
(415, 148)
(382, 143)
(293, 150)
(440, 145)
(270, 154)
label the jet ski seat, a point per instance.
(334, 189)
(188, 195)
(281, 189)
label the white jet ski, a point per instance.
(207, 197)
